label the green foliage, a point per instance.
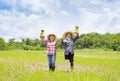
(11, 41)
(115, 41)
(26, 44)
(95, 40)
(3, 45)
(91, 40)
(118, 48)
(60, 46)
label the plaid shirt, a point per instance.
(51, 47)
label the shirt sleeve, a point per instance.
(45, 41)
(74, 39)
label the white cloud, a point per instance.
(26, 18)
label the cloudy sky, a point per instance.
(25, 18)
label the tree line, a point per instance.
(90, 40)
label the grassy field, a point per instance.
(90, 65)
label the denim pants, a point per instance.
(51, 59)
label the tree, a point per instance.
(28, 41)
(59, 45)
(115, 42)
(3, 45)
(11, 41)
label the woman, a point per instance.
(68, 41)
(51, 50)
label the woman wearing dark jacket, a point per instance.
(68, 41)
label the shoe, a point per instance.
(53, 68)
(50, 68)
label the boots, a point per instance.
(53, 68)
(72, 66)
(50, 68)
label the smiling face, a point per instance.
(52, 38)
(68, 35)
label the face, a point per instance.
(52, 38)
(69, 35)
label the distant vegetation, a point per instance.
(91, 40)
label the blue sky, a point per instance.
(25, 18)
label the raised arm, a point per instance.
(77, 36)
(43, 40)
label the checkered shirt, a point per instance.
(51, 47)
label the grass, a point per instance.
(90, 65)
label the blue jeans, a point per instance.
(51, 59)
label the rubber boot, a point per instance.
(72, 66)
(50, 68)
(53, 68)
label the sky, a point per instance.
(25, 18)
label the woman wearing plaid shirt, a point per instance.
(51, 50)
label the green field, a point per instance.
(90, 65)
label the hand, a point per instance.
(42, 37)
(62, 39)
(77, 33)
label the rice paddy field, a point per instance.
(90, 65)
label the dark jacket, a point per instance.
(69, 46)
